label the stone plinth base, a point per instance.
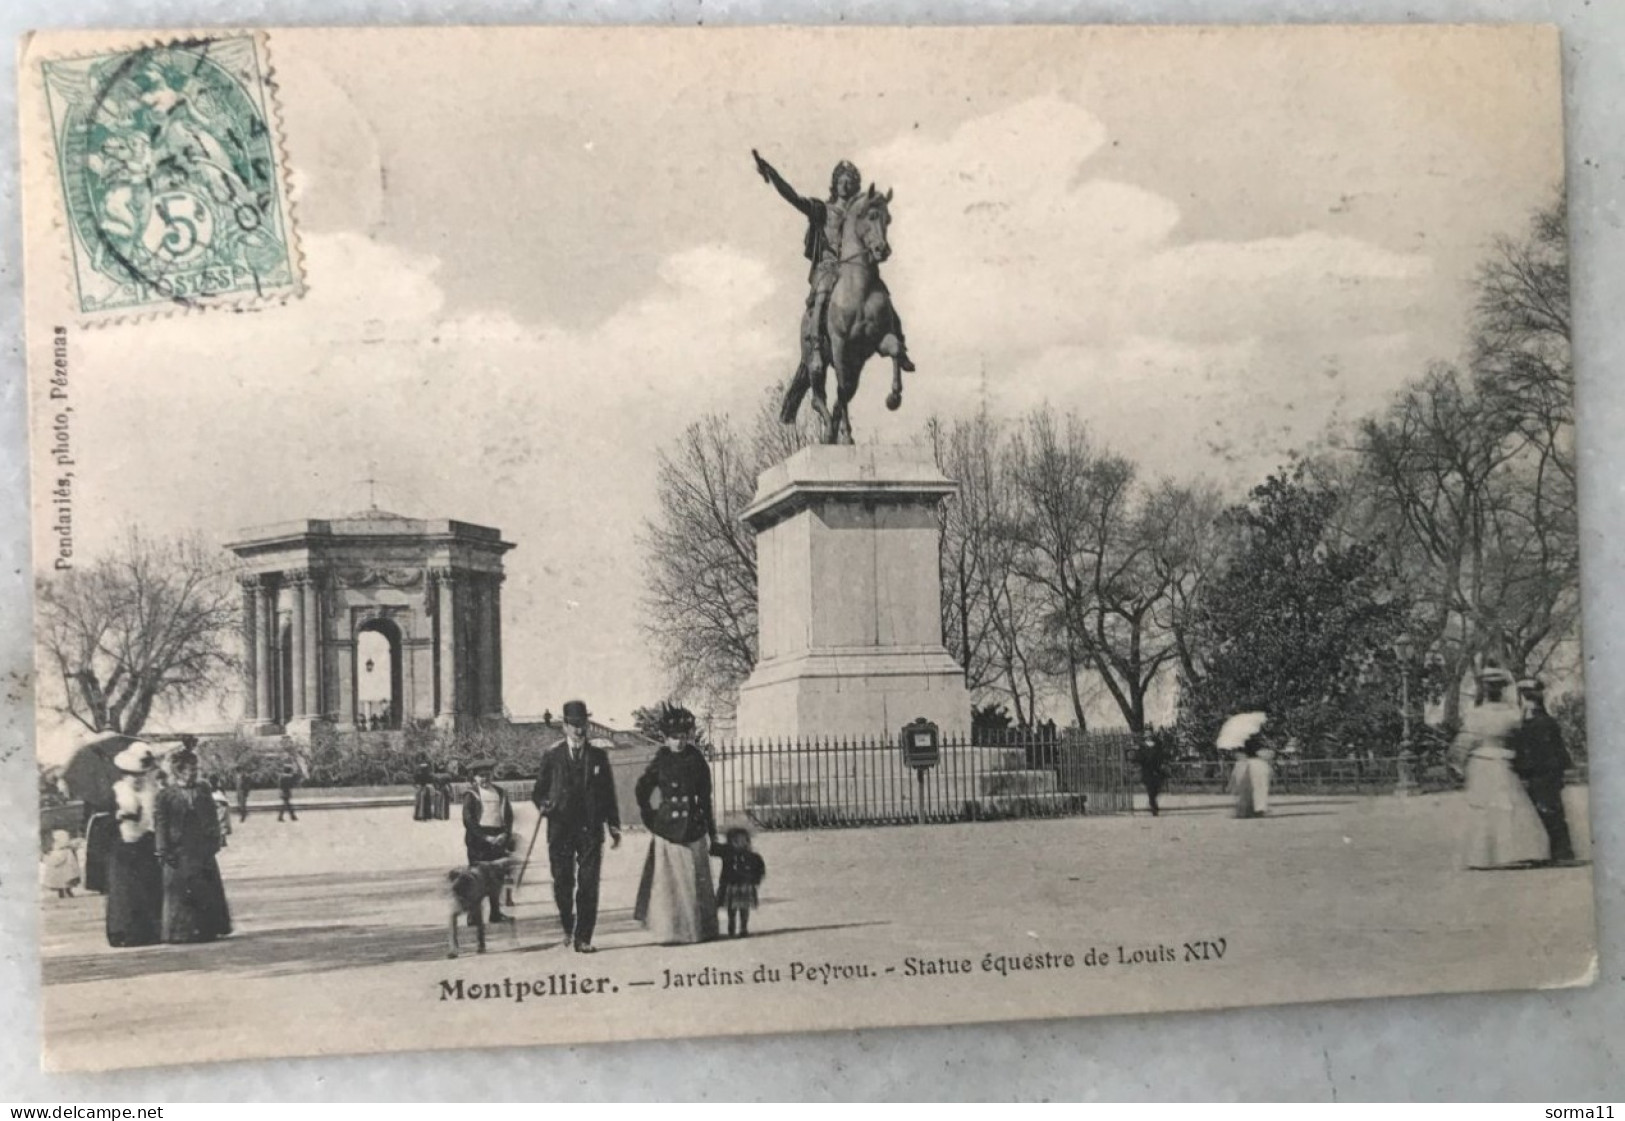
(849, 598)
(301, 727)
(260, 728)
(854, 694)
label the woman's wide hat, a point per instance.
(136, 759)
(675, 720)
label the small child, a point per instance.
(742, 872)
(59, 868)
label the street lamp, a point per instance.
(1405, 651)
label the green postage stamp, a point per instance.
(172, 176)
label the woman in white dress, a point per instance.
(135, 888)
(1504, 831)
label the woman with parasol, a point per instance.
(1250, 779)
(90, 777)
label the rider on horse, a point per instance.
(822, 248)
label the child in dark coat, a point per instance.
(742, 872)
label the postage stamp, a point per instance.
(172, 176)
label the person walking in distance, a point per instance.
(245, 786)
(1153, 763)
(1540, 761)
(576, 793)
(285, 783)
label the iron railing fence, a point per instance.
(833, 783)
(1312, 776)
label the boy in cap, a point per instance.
(576, 793)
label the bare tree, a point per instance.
(991, 620)
(1186, 545)
(1520, 349)
(150, 626)
(700, 559)
(1051, 461)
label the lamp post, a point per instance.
(1405, 651)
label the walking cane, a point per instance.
(519, 880)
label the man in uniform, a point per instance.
(1540, 760)
(576, 793)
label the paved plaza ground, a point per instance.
(340, 942)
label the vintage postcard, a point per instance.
(568, 535)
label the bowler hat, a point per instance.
(575, 712)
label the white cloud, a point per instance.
(1009, 258)
(546, 432)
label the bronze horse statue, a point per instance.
(860, 322)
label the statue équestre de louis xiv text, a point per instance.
(849, 316)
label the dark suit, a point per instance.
(578, 797)
(1540, 759)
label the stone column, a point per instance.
(251, 653)
(473, 635)
(265, 646)
(493, 630)
(313, 646)
(296, 581)
(446, 646)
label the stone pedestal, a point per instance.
(849, 598)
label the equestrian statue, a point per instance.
(849, 316)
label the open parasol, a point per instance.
(90, 774)
(1238, 729)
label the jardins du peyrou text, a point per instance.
(993, 965)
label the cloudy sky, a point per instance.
(534, 255)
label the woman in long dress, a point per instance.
(1250, 780)
(676, 899)
(423, 799)
(187, 837)
(135, 888)
(440, 798)
(1504, 831)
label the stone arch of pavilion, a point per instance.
(312, 588)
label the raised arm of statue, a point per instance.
(770, 175)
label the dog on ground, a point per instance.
(470, 889)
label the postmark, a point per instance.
(172, 177)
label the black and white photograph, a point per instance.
(564, 535)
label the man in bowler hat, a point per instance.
(576, 793)
(1540, 760)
